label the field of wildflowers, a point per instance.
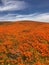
(24, 43)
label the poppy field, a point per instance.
(24, 43)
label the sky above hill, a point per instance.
(37, 10)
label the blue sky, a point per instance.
(37, 10)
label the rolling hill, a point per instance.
(24, 43)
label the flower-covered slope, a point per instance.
(24, 43)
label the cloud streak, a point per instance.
(10, 5)
(43, 17)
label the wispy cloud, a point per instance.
(10, 5)
(44, 17)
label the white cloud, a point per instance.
(44, 17)
(10, 5)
